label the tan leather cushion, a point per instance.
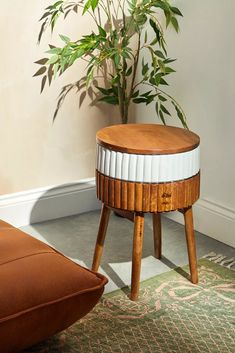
(41, 291)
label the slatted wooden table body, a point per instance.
(147, 168)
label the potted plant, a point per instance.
(128, 38)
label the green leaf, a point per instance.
(157, 108)
(87, 6)
(134, 95)
(79, 53)
(168, 61)
(176, 11)
(163, 82)
(154, 42)
(162, 45)
(55, 69)
(159, 54)
(168, 17)
(155, 28)
(163, 99)
(90, 3)
(71, 59)
(53, 59)
(54, 6)
(141, 19)
(175, 24)
(145, 68)
(164, 109)
(180, 115)
(152, 80)
(94, 4)
(110, 100)
(162, 117)
(139, 100)
(102, 32)
(154, 63)
(115, 90)
(150, 98)
(54, 18)
(115, 79)
(146, 94)
(161, 65)
(158, 78)
(41, 71)
(168, 70)
(125, 54)
(54, 51)
(103, 90)
(116, 59)
(64, 38)
(162, 5)
(89, 69)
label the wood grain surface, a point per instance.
(147, 139)
(191, 245)
(146, 197)
(138, 238)
(104, 220)
(157, 235)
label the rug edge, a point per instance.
(222, 270)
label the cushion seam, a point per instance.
(55, 252)
(55, 301)
(29, 255)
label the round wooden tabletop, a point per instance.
(147, 139)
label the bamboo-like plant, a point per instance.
(129, 34)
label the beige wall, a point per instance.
(205, 86)
(34, 152)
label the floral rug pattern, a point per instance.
(172, 316)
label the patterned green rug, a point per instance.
(172, 316)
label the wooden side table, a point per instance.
(147, 168)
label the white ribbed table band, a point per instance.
(148, 168)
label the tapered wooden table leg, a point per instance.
(189, 232)
(137, 254)
(157, 235)
(104, 219)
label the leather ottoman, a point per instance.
(41, 291)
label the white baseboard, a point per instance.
(53, 202)
(214, 220)
(47, 203)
